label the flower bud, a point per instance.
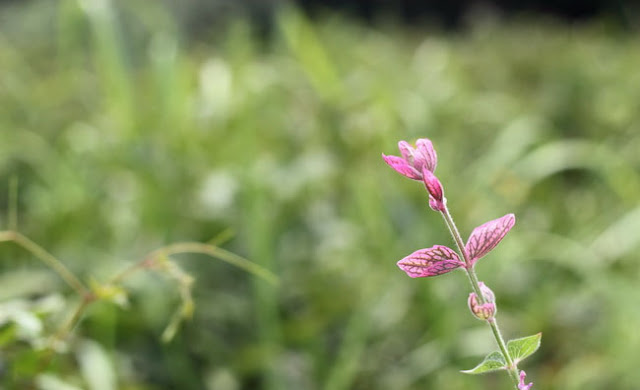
(437, 205)
(434, 187)
(521, 384)
(483, 311)
(487, 294)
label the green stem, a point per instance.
(47, 258)
(13, 203)
(453, 229)
(218, 253)
(64, 331)
(512, 368)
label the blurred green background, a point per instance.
(126, 133)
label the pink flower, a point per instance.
(419, 163)
(521, 385)
(414, 160)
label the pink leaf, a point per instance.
(402, 167)
(486, 236)
(433, 261)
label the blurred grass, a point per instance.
(125, 136)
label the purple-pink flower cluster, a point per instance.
(419, 163)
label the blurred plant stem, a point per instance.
(261, 227)
(157, 260)
(512, 368)
(13, 203)
(50, 260)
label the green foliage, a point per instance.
(520, 349)
(492, 362)
(125, 137)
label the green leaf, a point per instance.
(519, 349)
(493, 362)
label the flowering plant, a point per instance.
(419, 163)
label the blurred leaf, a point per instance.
(556, 156)
(96, 366)
(24, 282)
(52, 382)
(621, 237)
(310, 52)
(7, 334)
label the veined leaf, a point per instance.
(486, 236)
(492, 362)
(433, 261)
(519, 349)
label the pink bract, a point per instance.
(486, 236)
(425, 155)
(402, 167)
(433, 261)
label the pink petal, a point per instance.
(433, 261)
(522, 385)
(406, 150)
(402, 167)
(486, 236)
(425, 155)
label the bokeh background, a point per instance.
(129, 125)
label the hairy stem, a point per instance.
(512, 369)
(453, 229)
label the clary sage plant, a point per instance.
(419, 163)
